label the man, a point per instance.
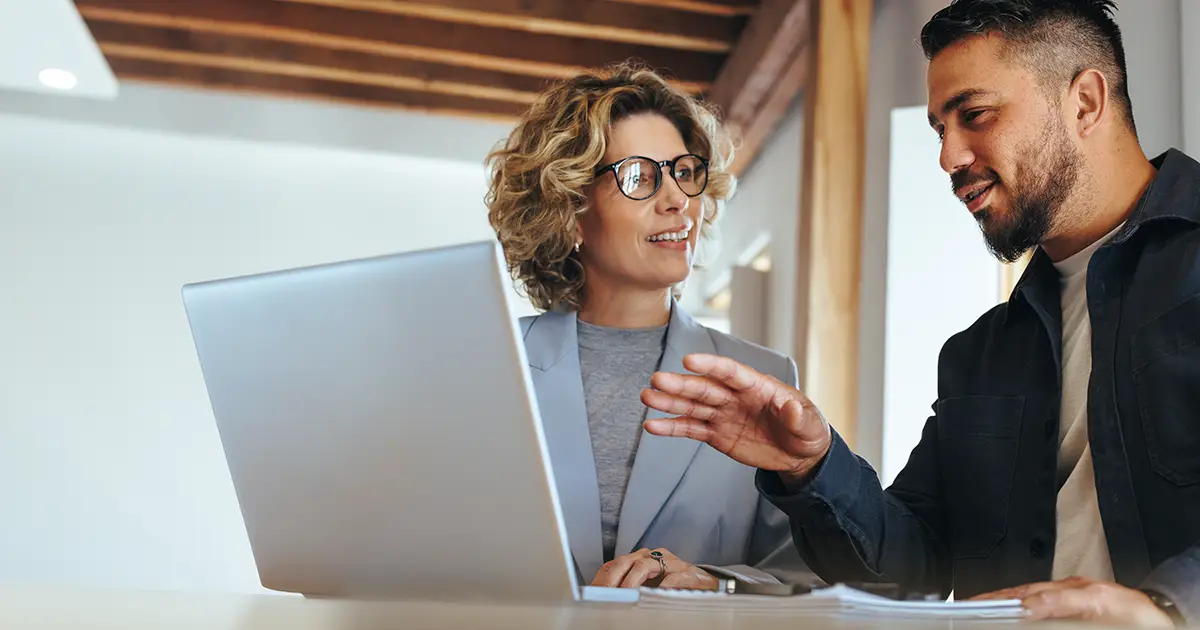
(1062, 461)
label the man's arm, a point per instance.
(772, 556)
(842, 517)
(767, 424)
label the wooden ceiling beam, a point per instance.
(280, 86)
(303, 71)
(589, 19)
(765, 73)
(548, 56)
(249, 54)
(724, 8)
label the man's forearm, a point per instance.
(840, 518)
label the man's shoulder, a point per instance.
(975, 340)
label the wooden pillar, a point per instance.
(829, 250)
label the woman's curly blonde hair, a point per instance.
(539, 174)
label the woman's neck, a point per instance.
(625, 309)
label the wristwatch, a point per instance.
(1165, 604)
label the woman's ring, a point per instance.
(657, 555)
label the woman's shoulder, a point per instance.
(526, 322)
(547, 323)
(759, 357)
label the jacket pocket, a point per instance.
(978, 437)
(1166, 374)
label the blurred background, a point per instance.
(148, 144)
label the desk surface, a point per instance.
(73, 609)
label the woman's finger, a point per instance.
(614, 571)
(641, 571)
(677, 580)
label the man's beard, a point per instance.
(1044, 180)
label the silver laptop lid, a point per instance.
(381, 429)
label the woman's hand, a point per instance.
(646, 568)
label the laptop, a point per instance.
(381, 430)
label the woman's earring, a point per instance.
(576, 247)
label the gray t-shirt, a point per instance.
(615, 364)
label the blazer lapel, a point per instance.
(660, 462)
(553, 350)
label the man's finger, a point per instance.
(1025, 590)
(679, 428)
(1007, 593)
(700, 389)
(1064, 603)
(734, 375)
(675, 405)
(642, 570)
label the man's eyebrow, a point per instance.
(955, 102)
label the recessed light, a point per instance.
(57, 79)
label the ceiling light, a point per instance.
(57, 79)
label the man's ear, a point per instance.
(1088, 95)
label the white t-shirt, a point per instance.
(1080, 547)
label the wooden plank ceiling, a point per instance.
(478, 58)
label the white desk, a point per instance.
(70, 609)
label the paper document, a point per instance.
(835, 600)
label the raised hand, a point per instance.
(751, 417)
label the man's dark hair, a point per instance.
(1056, 39)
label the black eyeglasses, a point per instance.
(640, 177)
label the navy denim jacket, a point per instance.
(974, 508)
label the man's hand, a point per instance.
(753, 418)
(639, 568)
(1079, 598)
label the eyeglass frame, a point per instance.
(616, 166)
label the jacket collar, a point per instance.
(552, 350)
(553, 336)
(1173, 194)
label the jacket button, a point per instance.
(1037, 547)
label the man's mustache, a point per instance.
(963, 179)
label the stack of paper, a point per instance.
(837, 600)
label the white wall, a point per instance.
(933, 243)
(1189, 25)
(114, 472)
(305, 122)
(1153, 55)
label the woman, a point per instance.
(600, 197)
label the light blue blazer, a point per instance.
(682, 495)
